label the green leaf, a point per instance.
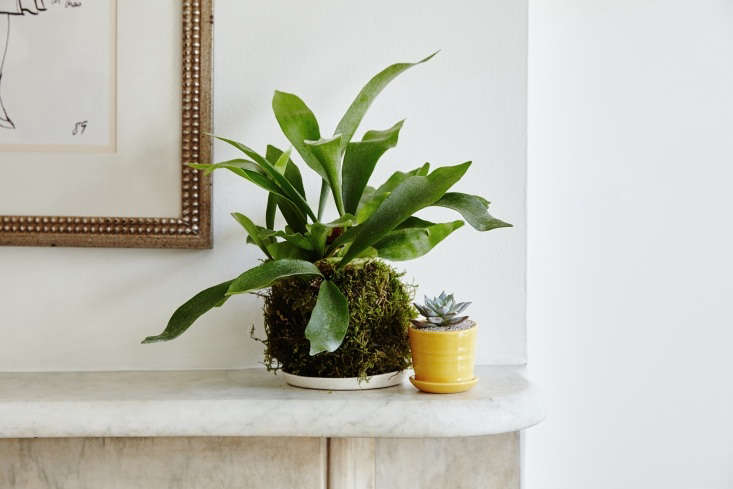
(245, 169)
(265, 275)
(408, 243)
(371, 199)
(292, 172)
(344, 221)
(414, 222)
(264, 233)
(410, 196)
(474, 209)
(292, 214)
(284, 250)
(270, 211)
(355, 113)
(329, 320)
(328, 154)
(360, 160)
(280, 164)
(299, 124)
(272, 199)
(232, 165)
(318, 236)
(297, 239)
(282, 183)
(369, 252)
(366, 196)
(189, 312)
(296, 221)
(323, 199)
(374, 198)
(252, 231)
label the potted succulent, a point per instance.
(334, 309)
(443, 346)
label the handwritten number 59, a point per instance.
(79, 128)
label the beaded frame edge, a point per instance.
(192, 227)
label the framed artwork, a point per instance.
(102, 105)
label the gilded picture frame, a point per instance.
(191, 227)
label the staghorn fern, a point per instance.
(372, 222)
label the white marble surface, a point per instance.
(487, 462)
(163, 463)
(253, 403)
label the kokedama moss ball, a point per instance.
(380, 309)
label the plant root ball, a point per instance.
(380, 309)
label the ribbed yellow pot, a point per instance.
(443, 360)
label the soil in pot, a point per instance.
(380, 308)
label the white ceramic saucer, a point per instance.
(346, 384)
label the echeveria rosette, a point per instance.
(440, 311)
(372, 222)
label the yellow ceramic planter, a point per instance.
(443, 360)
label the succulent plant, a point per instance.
(440, 311)
(372, 222)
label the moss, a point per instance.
(380, 308)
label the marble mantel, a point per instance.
(248, 429)
(253, 402)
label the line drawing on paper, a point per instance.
(10, 8)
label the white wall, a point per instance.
(630, 318)
(71, 309)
